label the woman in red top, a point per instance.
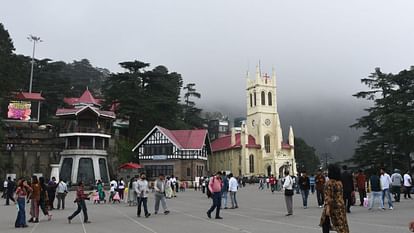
(21, 192)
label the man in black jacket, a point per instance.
(304, 185)
(348, 185)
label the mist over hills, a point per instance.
(323, 124)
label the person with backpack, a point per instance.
(215, 185)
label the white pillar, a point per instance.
(55, 171)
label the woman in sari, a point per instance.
(168, 189)
(333, 215)
(101, 192)
(44, 199)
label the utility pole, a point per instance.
(35, 40)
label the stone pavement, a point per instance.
(259, 212)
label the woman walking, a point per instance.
(44, 199)
(101, 192)
(333, 216)
(288, 186)
(34, 200)
(21, 192)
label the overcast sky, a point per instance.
(320, 49)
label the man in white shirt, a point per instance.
(407, 185)
(233, 186)
(61, 190)
(4, 189)
(385, 185)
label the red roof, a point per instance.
(29, 96)
(224, 143)
(76, 111)
(186, 139)
(86, 98)
(183, 139)
(286, 146)
(130, 166)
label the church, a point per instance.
(257, 148)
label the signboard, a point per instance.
(19, 110)
(159, 157)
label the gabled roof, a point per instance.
(29, 96)
(182, 139)
(76, 111)
(86, 98)
(224, 143)
(286, 146)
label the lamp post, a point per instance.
(35, 40)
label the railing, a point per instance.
(85, 130)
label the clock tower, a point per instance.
(263, 123)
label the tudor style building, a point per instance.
(258, 147)
(182, 153)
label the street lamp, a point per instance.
(35, 40)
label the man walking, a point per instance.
(407, 185)
(81, 196)
(397, 180)
(385, 185)
(233, 187)
(361, 181)
(224, 189)
(159, 187)
(61, 190)
(10, 190)
(375, 182)
(304, 186)
(51, 192)
(4, 189)
(215, 185)
(320, 185)
(142, 190)
(348, 186)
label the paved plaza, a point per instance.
(259, 212)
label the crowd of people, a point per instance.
(335, 193)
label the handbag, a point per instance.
(288, 192)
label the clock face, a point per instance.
(268, 122)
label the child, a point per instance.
(116, 197)
(95, 198)
(112, 193)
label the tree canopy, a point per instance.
(388, 136)
(305, 156)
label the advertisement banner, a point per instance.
(19, 110)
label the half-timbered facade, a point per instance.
(182, 153)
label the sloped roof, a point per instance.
(183, 139)
(29, 96)
(76, 111)
(86, 98)
(130, 166)
(224, 143)
(286, 146)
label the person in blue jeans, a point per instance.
(375, 182)
(21, 192)
(385, 185)
(304, 186)
(224, 189)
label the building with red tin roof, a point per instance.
(86, 132)
(256, 148)
(182, 153)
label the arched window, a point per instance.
(263, 98)
(255, 99)
(251, 163)
(267, 143)
(269, 98)
(251, 100)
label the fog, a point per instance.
(320, 49)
